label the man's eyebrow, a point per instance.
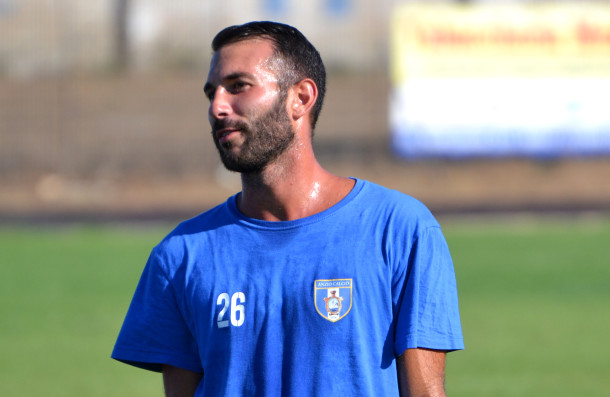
(237, 75)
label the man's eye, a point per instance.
(238, 86)
(209, 92)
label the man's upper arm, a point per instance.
(180, 382)
(421, 373)
(154, 331)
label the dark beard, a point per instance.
(266, 138)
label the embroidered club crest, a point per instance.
(333, 298)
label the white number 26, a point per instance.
(237, 309)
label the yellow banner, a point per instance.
(493, 40)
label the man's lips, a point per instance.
(223, 134)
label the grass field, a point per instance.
(534, 298)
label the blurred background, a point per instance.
(493, 113)
(102, 112)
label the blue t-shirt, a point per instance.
(316, 306)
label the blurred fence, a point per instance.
(115, 86)
(111, 90)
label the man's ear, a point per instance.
(302, 97)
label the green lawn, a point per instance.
(534, 300)
(63, 295)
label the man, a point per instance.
(304, 283)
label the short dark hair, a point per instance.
(301, 59)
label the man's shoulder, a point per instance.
(196, 228)
(396, 202)
(210, 219)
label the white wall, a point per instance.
(44, 36)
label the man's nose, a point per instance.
(219, 104)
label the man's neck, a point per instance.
(291, 190)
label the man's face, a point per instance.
(250, 125)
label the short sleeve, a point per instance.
(427, 310)
(154, 331)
